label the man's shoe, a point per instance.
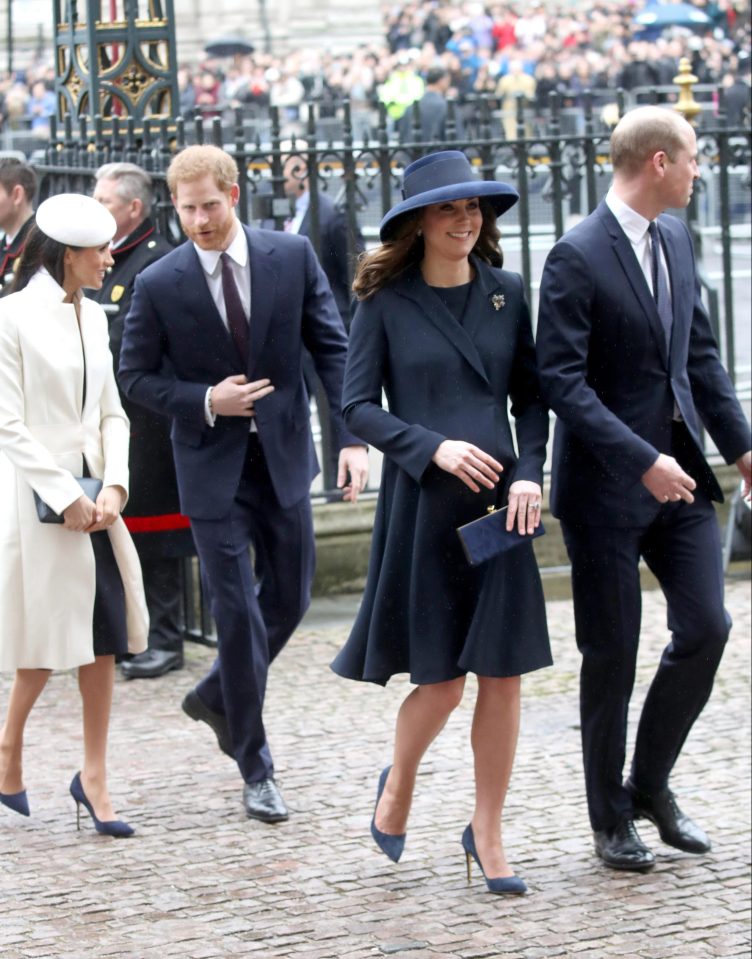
(151, 663)
(263, 800)
(674, 827)
(197, 709)
(622, 848)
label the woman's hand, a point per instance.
(353, 462)
(109, 503)
(524, 506)
(468, 463)
(80, 514)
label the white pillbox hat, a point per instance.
(76, 220)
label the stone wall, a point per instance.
(343, 538)
(333, 25)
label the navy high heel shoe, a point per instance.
(114, 827)
(17, 802)
(391, 846)
(503, 885)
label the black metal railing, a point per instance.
(558, 174)
(560, 168)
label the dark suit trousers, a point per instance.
(255, 610)
(682, 548)
(163, 588)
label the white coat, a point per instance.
(47, 573)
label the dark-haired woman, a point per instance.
(67, 589)
(446, 334)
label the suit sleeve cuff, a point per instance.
(209, 415)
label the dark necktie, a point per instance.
(660, 283)
(236, 318)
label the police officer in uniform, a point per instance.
(18, 185)
(162, 536)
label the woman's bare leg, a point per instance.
(496, 726)
(26, 689)
(421, 717)
(96, 681)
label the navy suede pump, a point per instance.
(502, 885)
(391, 846)
(114, 827)
(18, 802)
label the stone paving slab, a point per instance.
(199, 881)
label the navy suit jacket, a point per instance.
(606, 372)
(173, 316)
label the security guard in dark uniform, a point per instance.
(161, 534)
(18, 184)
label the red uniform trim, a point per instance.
(157, 524)
(121, 249)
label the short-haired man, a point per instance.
(432, 111)
(162, 536)
(333, 229)
(629, 364)
(18, 185)
(232, 309)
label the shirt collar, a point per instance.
(633, 223)
(302, 202)
(237, 251)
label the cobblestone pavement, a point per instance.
(199, 881)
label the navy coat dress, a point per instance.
(425, 611)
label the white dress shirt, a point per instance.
(302, 202)
(238, 253)
(635, 227)
(212, 267)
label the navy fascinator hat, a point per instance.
(443, 176)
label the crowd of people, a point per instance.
(446, 335)
(500, 49)
(107, 336)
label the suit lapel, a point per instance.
(489, 298)
(675, 273)
(635, 276)
(192, 287)
(264, 281)
(305, 224)
(416, 289)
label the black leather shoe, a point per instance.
(263, 800)
(197, 709)
(151, 663)
(622, 848)
(674, 827)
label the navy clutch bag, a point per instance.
(484, 538)
(90, 485)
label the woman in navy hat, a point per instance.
(445, 333)
(67, 589)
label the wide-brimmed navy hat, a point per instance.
(443, 176)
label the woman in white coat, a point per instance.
(71, 594)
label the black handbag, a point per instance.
(90, 485)
(484, 538)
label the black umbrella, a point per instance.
(659, 15)
(228, 47)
